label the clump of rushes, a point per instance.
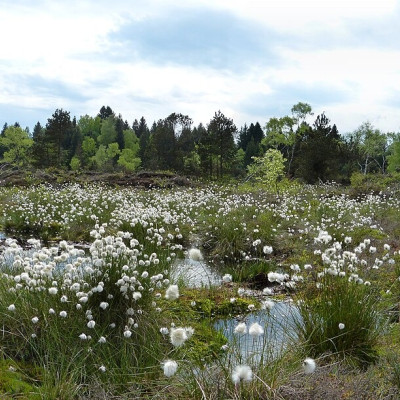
(341, 318)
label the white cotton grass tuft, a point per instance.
(227, 278)
(341, 326)
(309, 366)
(178, 336)
(170, 367)
(267, 291)
(127, 333)
(267, 305)
(164, 330)
(172, 293)
(268, 249)
(102, 339)
(11, 307)
(91, 324)
(242, 373)
(195, 254)
(256, 330)
(241, 328)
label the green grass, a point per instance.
(231, 225)
(339, 301)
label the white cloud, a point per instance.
(289, 15)
(57, 55)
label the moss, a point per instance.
(15, 381)
(198, 308)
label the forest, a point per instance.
(107, 142)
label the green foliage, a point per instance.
(221, 130)
(373, 147)
(394, 157)
(367, 183)
(192, 163)
(88, 149)
(89, 126)
(268, 169)
(128, 161)
(59, 134)
(339, 301)
(75, 163)
(131, 141)
(16, 143)
(320, 152)
(108, 133)
(105, 155)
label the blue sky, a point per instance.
(251, 59)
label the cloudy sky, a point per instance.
(251, 59)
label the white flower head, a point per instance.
(164, 330)
(341, 326)
(127, 333)
(267, 291)
(267, 305)
(242, 373)
(178, 336)
(172, 293)
(227, 278)
(241, 328)
(256, 330)
(170, 367)
(91, 324)
(195, 254)
(268, 249)
(102, 339)
(347, 239)
(309, 366)
(11, 307)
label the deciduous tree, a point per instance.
(16, 143)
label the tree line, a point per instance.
(107, 142)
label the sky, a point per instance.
(251, 59)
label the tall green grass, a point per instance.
(337, 302)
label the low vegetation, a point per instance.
(308, 289)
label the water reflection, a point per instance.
(279, 333)
(195, 273)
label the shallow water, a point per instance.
(195, 273)
(278, 324)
